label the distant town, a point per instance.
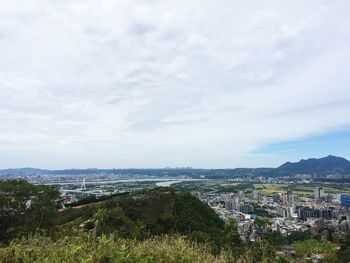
(315, 203)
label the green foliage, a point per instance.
(192, 215)
(81, 248)
(277, 239)
(247, 187)
(101, 215)
(313, 249)
(156, 212)
(26, 208)
(231, 240)
(344, 252)
(259, 211)
(261, 221)
(260, 252)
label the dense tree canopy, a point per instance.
(314, 249)
(26, 208)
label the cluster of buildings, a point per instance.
(284, 212)
(246, 208)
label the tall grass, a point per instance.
(81, 248)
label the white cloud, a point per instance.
(159, 83)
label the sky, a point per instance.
(157, 83)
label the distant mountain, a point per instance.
(24, 171)
(322, 166)
(326, 165)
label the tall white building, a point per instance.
(319, 193)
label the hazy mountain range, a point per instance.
(322, 166)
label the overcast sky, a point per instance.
(220, 83)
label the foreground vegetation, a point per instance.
(159, 225)
(82, 248)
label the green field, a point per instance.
(270, 189)
(264, 189)
(300, 189)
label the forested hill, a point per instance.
(151, 212)
(326, 165)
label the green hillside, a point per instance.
(159, 225)
(155, 212)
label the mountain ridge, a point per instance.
(318, 166)
(321, 166)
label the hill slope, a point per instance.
(155, 212)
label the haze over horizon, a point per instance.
(169, 167)
(210, 84)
